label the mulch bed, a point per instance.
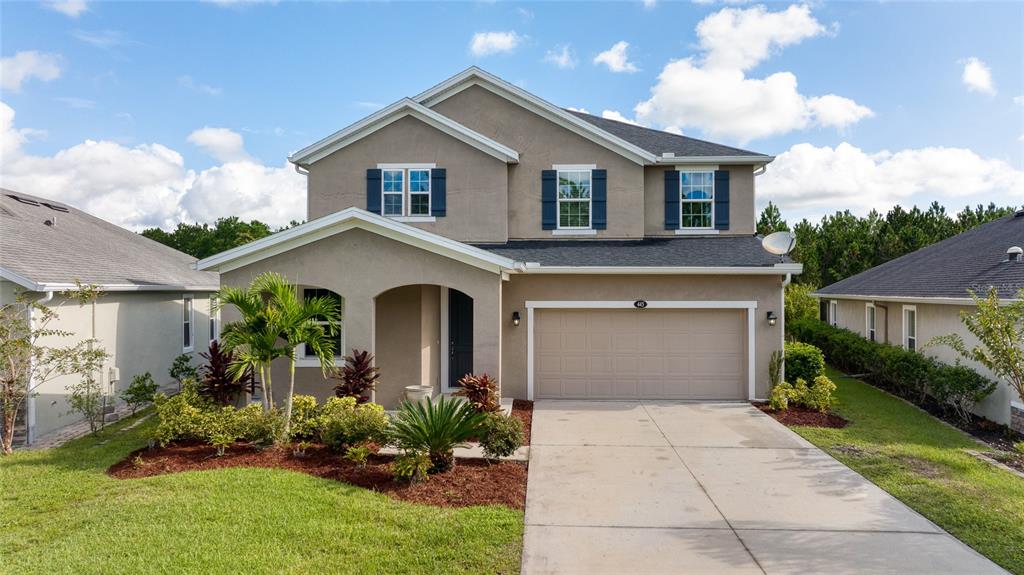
(523, 410)
(804, 416)
(470, 482)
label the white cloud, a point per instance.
(1019, 100)
(14, 70)
(713, 93)
(188, 83)
(809, 181)
(105, 39)
(615, 115)
(616, 59)
(221, 143)
(581, 110)
(487, 43)
(977, 76)
(561, 57)
(149, 184)
(70, 8)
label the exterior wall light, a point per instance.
(515, 318)
(772, 318)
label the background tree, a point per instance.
(203, 240)
(771, 221)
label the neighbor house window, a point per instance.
(833, 312)
(339, 342)
(405, 190)
(394, 192)
(214, 323)
(869, 321)
(910, 327)
(574, 199)
(696, 200)
(187, 324)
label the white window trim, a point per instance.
(906, 338)
(303, 360)
(191, 323)
(750, 306)
(406, 216)
(214, 323)
(833, 313)
(568, 231)
(696, 231)
(711, 201)
(870, 316)
(414, 219)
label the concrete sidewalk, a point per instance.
(675, 487)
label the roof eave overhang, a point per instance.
(905, 299)
(774, 270)
(383, 118)
(721, 160)
(35, 286)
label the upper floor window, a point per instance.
(405, 191)
(187, 324)
(574, 206)
(696, 200)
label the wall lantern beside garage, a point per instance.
(772, 318)
(515, 318)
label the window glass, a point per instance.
(309, 293)
(696, 198)
(574, 199)
(911, 329)
(419, 192)
(186, 323)
(393, 191)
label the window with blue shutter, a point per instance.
(671, 200)
(721, 199)
(599, 199)
(549, 199)
(373, 190)
(438, 192)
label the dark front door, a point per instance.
(460, 336)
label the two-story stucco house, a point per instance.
(478, 228)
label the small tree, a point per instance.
(1000, 332)
(140, 392)
(87, 396)
(182, 369)
(27, 363)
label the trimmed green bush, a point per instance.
(189, 416)
(500, 435)
(781, 394)
(819, 396)
(345, 424)
(306, 421)
(803, 361)
(411, 466)
(141, 391)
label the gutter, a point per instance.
(904, 299)
(30, 401)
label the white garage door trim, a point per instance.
(750, 306)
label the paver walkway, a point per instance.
(675, 487)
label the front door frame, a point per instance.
(750, 306)
(445, 347)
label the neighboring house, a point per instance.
(154, 306)
(478, 228)
(916, 297)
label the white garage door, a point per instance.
(640, 354)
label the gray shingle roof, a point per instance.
(84, 247)
(975, 259)
(658, 142)
(698, 251)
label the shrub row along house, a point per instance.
(915, 298)
(153, 306)
(478, 228)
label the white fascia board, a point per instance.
(347, 219)
(682, 160)
(474, 76)
(904, 299)
(779, 269)
(394, 112)
(15, 277)
(58, 287)
(651, 304)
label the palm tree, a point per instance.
(254, 337)
(300, 321)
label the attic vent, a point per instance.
(1014, 254)
(23, 200)
(668, 154)
(56, 208)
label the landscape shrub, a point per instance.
(480, 391)
(141, 391)
(412, 466)
(357, 377)
(188, 416)
(182, 369)
(358, 455)
(780, 396)
(819, 395)
(181, 416)
(217, 382)
(306, 421)
(346, 424)
(500, 435)
(436, 427)
(908, 374)
(803, 361)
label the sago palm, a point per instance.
(436, 428)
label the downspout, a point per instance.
(30, 401)
(300, 170)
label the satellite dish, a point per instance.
(779, 243)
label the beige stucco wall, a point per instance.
(742, 214)
(142, 331)
(765, 290)
(541, 145)
(360, 266)
(476, 183)
(933, 320)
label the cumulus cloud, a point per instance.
(221, 143)
(70, 8)
(488, 43)
(581, 110)
(561, 57)
(615, 115)
(15, 70)
(713, 93)
(809, 181)
(149, 184)
(977, 76)
(616, 58)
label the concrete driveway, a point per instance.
(676, 487)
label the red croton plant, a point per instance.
(481, 391)
(357, 377)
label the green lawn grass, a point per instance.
(923, 462)
(61, 513)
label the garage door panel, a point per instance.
(652, 353)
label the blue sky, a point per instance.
(140, 78)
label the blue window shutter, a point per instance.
(438, 192)
(671, 200)
(373, 191)
(548, 199)
(599, 199)
(721, 199)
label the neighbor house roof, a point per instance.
(46, 245)
(974, 260)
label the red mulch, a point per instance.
(804, 416)
(470, 482)
(523, 409)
